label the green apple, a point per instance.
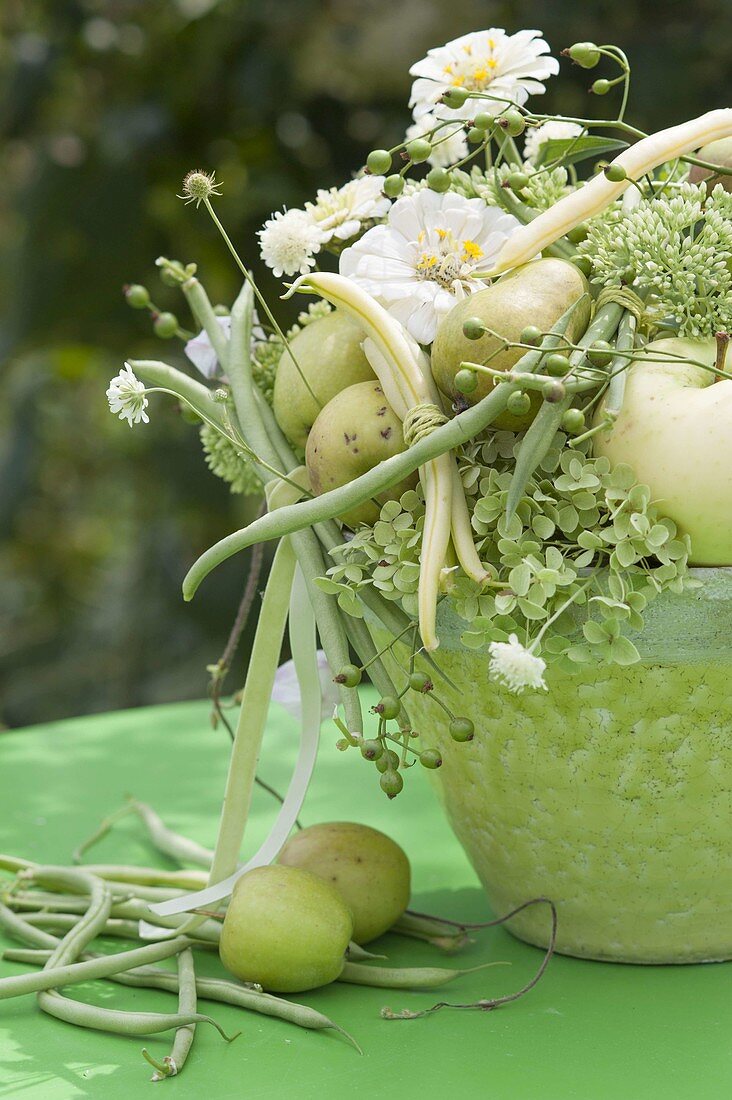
(675, 431)
(365, 866)
(285, 929)
(355, 431)
(535, 294)
(717, 152)
(329, 355)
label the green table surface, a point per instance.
(589, 1030)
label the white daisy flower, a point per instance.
(286, 690)
(449, 143)
(340, 211)
(507, 66)
(288, 242)
(126, 397)
(552, 130)
(200, 350)
(419, 264)
(515, 666)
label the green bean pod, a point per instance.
(408, 977)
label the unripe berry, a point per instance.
(475, 136)
(517, 181)
(483, 121)
(455, 97)
(391, 784)
(615, 173)
(584, 54)
(418, 150)
(600, 354)
(378, 161)
(462, 729)
(573, 421)
(349, 675)
(393, 186)
(556, 364)
(438, 180)
(371, 749)
(137, 296)
(388, 761)
(418, 681)
(430, 758)
(601, 87)
(466, 381)
(531, 335)
(388, 707)
(513, 122)
(553, 392)
(165, 325)
(518, 403)
(473, 328)
(579, 233)
(583, 263)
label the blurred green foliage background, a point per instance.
(104, 105)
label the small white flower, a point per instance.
(516, 666)
(126, 397)
(340, 211)
(507, 66)
(420, 263)
(200, 350)
(449, 144)
(288, 242)
(286, 690)
(548, 131)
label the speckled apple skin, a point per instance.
(610, 793)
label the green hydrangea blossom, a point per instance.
(678, 247)
(584, 539)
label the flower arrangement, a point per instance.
(461, 416)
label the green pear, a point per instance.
(329, 355)
(675, 431)
(717, 152)
(368, 869)
(355, 431)
(535, 294)
(285, 929)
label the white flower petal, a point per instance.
(286, 690)
(515, 666)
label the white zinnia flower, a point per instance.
(286, 690)
(288, 241)
(449, 144)
(340, 211)
(419, 264)
(516, 666)
(508, 66)
(548, 131)
(126, 397)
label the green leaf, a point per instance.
(574, 150)
(594, 632)
(623, 652)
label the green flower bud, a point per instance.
(484, 121)
(573, 421)
(388, 761)
(169, 277)
(371, 749)
(466, 381)
(601, 87)
(391, 784)
(600, 354)
(584, 54)
(473, 328)
(430, 758)
(615, 173)
(165, 325)
(475, 136)
(556, 364)
(418, 681)
(388, 707)
(513, 122)
(378, 161)
(418, 150)
(137, 296)
(531, 335)
(393, 186)
(517, 181)
(349, 675)
(553, 392)
(455, 97)
(462, 729)
(342, 744)
(518, 403)
(439, 180)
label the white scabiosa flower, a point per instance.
(126, 397)
(286, 690)
(507, 66)
(515, 666)
(421, 262)
(288, 242)
(341, 211)
(553, 130)
(449, 144)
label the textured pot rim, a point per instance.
(687, 627)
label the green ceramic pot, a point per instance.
(610, 793)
